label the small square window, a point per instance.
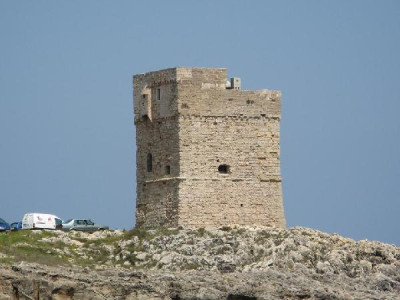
(167, 170)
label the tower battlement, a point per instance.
(207, 151)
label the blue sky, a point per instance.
(67, 139)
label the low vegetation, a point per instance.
(26, 245)
(225, 249)
(54, 248)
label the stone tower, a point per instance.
(207, 151)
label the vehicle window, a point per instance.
(69, 220)
(2, 221)
(90, 222)
(58, 221)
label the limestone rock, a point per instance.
(226, 263)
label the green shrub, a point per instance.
(140, 233)
(226, 228)
(200, 232)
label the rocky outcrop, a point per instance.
(225, 263)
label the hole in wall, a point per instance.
(224, 169)
(167, 170)
(250, 101)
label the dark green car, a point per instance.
(82, 225)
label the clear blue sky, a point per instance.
(67, 139)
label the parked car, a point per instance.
(4, 225)
(82, 225)
(16, 226)
(41, 221)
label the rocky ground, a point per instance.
(225, 263)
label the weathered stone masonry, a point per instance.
(207, 153)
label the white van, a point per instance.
(41, 221)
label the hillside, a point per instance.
(225, 263)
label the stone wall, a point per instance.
(250, 192)
(221, 147)
(156, 135)
(157, 190)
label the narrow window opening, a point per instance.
(149, 162)
(241, 205)
(158, 94)
(224, 169)
(167, 170)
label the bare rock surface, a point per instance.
(226, 263)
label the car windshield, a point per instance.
(69, 220)
(2, 221)
(58, 221)
(89, 222)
